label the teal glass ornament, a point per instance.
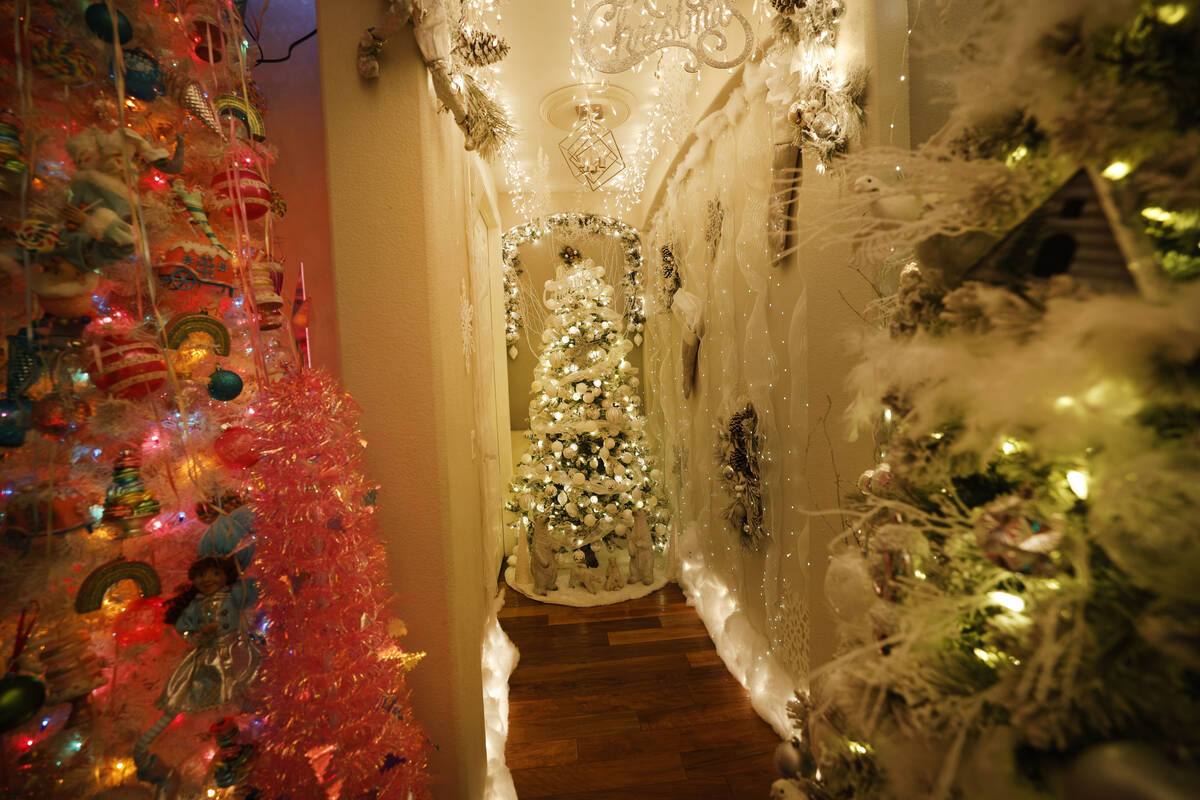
(224, 385)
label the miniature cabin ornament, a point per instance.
(1077, 231)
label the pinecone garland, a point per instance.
(788, 7)
(479, 48)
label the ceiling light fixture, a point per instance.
(590, 149)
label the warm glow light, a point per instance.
(1117, 170)
(983, 655)
(1016, 156)
(1156, 214)
(1171, 13)
(1009, 601)
(1078, 481)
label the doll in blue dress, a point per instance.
(212, 614)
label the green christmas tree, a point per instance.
(588, 475)
(1018, 593)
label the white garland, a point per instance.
(593, 224)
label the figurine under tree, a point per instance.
(588, 470)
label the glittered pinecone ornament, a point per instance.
(788, 7)
(479, 48)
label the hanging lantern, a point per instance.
(127, 369)
(242, 182)
(591, 150)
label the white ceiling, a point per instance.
(539, 62)
(538, 32)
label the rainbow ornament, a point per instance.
(182, 326)
(90, 596)
(241, 110)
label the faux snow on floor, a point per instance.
(500, 658)
(579, 597)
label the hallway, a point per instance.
(628, 701)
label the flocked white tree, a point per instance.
(588, 476)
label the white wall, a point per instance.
(399, 199)
(782, 336)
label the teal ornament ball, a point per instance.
(143, 76)
(15, 420)
(100, 23)
(20, 698)
(224, 385)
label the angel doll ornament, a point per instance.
(212, 614)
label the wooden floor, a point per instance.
(628, 701)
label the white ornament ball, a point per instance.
(589, 520)
(620, 528)
(580, 388)
(572, 509)
(577, 478)
(849, 588)
(588, 397)
(611, 509)
(557, 447)
(562, 498)
(634, 381)
(651, 501)
(609, 444)
(637, 338)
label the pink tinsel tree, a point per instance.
(337, 719)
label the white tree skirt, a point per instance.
(566, 595)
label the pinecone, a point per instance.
(479, 48)
(747, 414)
(788, 7)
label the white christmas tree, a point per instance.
(587, 476)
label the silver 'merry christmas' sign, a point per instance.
(616, 34)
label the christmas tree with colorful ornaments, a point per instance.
(160, 506)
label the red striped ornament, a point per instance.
(127, 369)
(246, 179)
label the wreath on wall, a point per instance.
(738, 447)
